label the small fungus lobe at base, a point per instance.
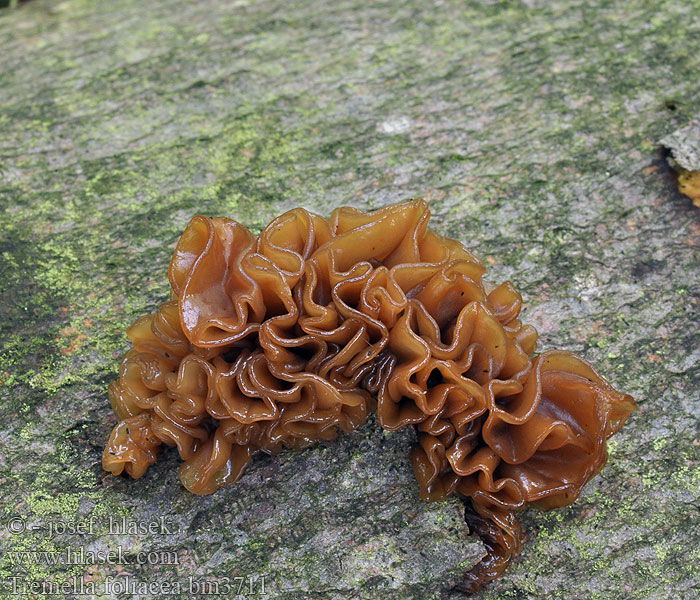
(280, 340)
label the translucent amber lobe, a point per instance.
(283, 339)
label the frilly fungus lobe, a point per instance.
(281, 339)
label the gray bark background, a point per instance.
(532, 129)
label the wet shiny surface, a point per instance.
(284, 339)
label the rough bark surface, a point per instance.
(531, 127)
(684, 145)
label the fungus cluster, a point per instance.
(280, 340)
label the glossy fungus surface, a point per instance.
(283, 339)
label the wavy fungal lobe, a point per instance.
(283, 339)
